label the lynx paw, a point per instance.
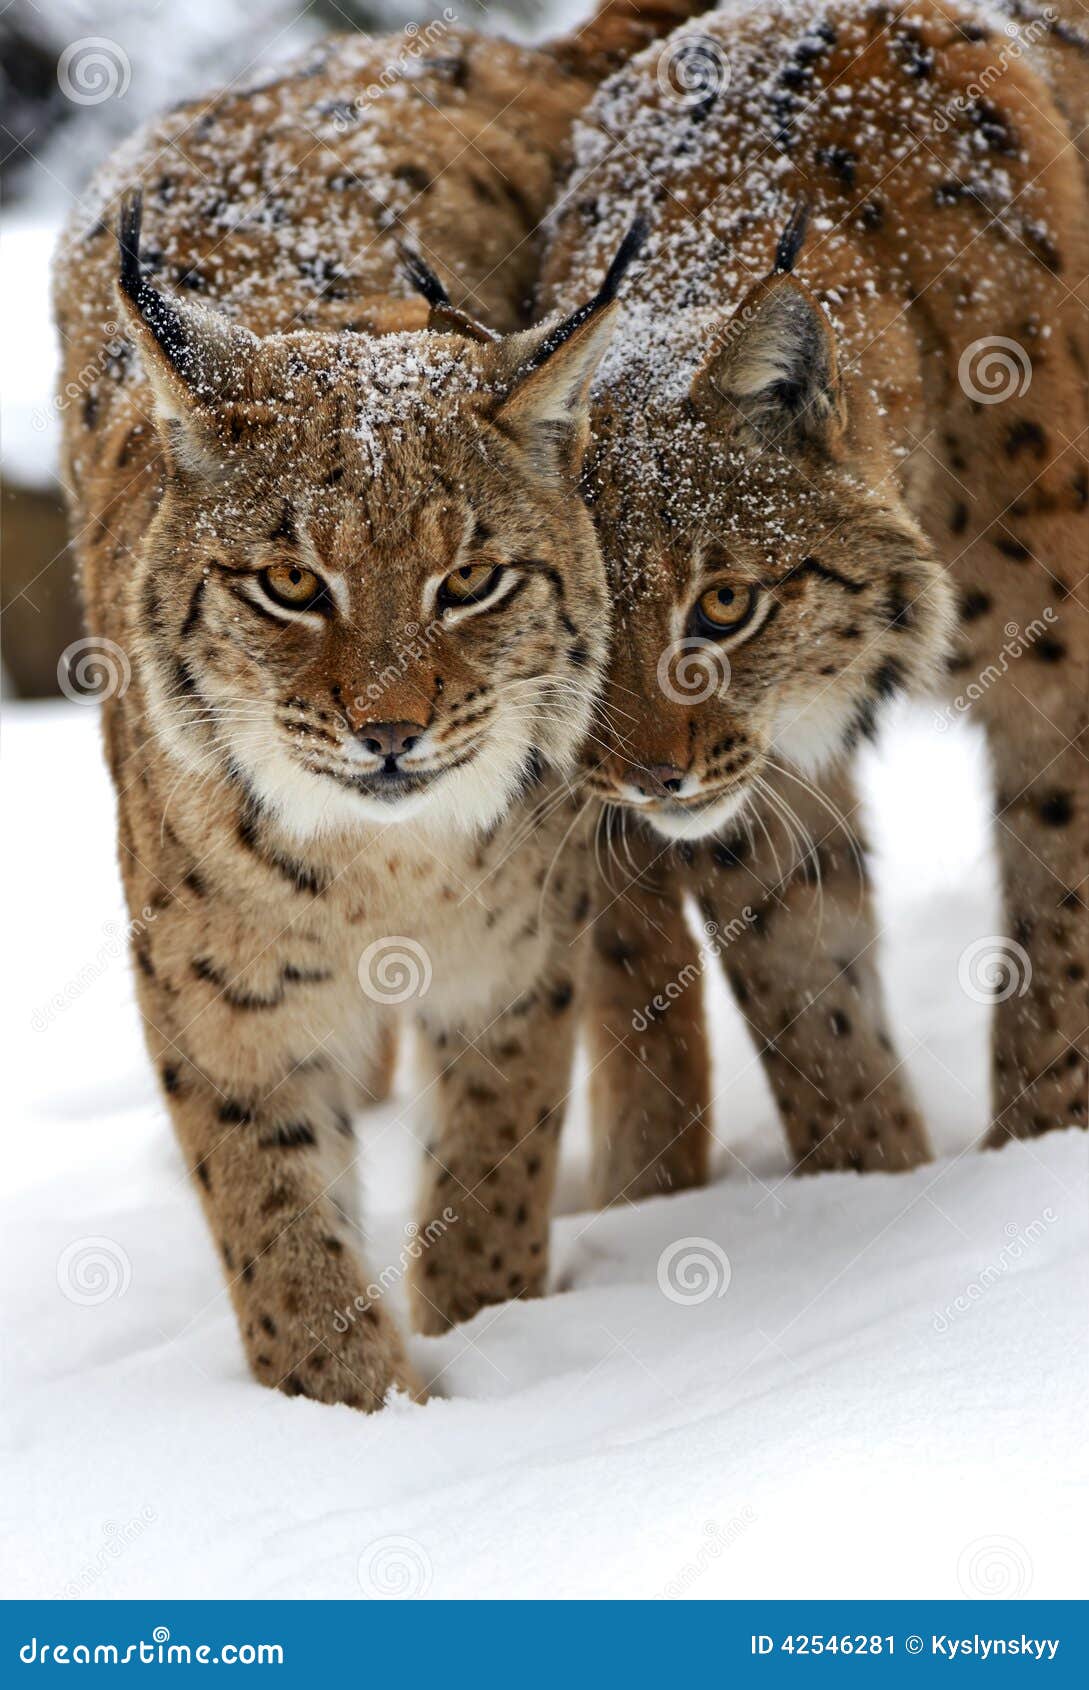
(445, 1292)
(359, 1368)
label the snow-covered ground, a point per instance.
(884, 1393)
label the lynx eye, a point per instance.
(468, 585)
(724, 608)
(294, 588)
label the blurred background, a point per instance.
(75, 79)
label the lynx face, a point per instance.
(371, 591)
(766, 600)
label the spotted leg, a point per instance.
(798, 939)
(499, 1096)
(1016, 509)
(647, 1041)
(1041, 1027)
(272, 1157)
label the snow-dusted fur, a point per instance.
(796, 480)
(357, 615)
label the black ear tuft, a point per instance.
(446, 318)
(793, 236)
(195, 359)
(626, 254)
(423, 278)
(161, 314)
(129, 218)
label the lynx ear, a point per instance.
(444, 317)
(195, 359)
(547, 408)
(548, 412)
(773, 369)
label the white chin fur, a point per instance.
(467, 800)
(676, 825)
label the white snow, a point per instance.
(29, 417)
(887, 1399)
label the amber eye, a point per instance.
(724, 608)
(468, 585)
(295, 588)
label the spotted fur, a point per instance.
(802, 422)
(359, 800)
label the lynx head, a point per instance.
(371, 589)
(766, 598)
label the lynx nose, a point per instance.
(659, 780)
(388, 739)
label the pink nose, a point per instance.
(659, 780)
(388, 739)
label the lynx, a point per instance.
(336, 535)
(820, 468)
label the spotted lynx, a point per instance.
(806, 485)
(338, 536)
